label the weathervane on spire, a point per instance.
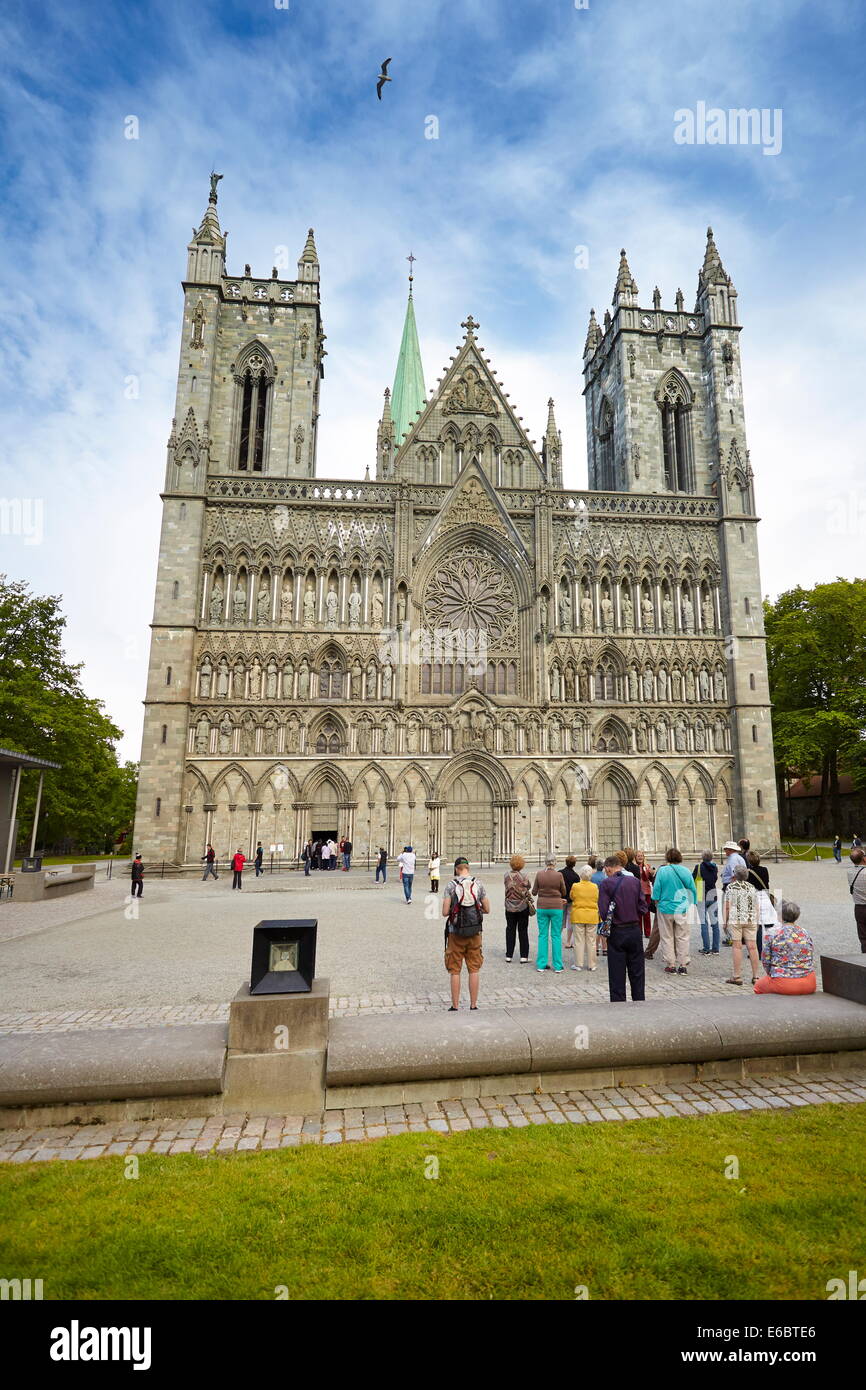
(214, 180)
(411, 259)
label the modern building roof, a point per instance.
(24, 759)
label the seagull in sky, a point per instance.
(383, 78)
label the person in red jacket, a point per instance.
(238, 862)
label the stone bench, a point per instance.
(845, 976)
(53, 883)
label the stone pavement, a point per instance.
(224, 1134)
(99, 960)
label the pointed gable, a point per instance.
(473, 502)
(469, 408)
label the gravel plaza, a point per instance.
(179, 956)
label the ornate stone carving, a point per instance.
(470, 395)
(469, 593)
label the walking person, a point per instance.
(406, 860)
(706, 874)
(742, 914)
(569, 874)
(308, 854)
(433, 871)
(347, 855)
(788, 957)
(382, 864)
(857, 889)
(238, 861)
(518, 909)
(549, 888)
(837, 849)
(583, 906)
(209, 863)
(137, 873)
(464, 907)
(674, 892)
(625, 944)
(260, 854)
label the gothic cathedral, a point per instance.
(462, 655)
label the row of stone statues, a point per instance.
(473, 729)
(569, 685)
(607, 614)
(268, 682)
(236, 610)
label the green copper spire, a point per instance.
(409, 394)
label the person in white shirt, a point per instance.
(733, 860)
(326, 854)
(332, 846)
(433, 870)
(406, 860)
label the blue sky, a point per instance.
(555, 130)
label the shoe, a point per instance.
(558, 972)
(575, 967)
(733, 981)
(714, 953)
(524, 960)
(647, 956)
(541, 969)
(702, 952)
(670, 970)
(727, 942)
(452, 1010)
(593, 967)
(509, 959)
(681, 970)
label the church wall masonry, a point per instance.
(461, 654)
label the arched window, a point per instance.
(175, 589)
(605, 680)
(328, 740)
(330, 680)
(255, 387)
(675, 407)
(606, 465)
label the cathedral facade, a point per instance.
(462, 654)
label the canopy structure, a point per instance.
(12, 765)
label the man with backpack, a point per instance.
(464, 907)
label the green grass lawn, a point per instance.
(633, 1210)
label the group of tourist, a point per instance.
(327, 854)
(621, 908)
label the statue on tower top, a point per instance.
(214, 180)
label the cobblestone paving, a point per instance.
(215, 1135)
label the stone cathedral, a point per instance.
(462, 654)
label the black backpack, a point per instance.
(465, 919)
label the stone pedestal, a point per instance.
(845, 976)
(277, 1050)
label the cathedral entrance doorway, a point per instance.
(469, 829)
(609, 835)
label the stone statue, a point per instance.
(584, 686)
(688, 614)
(700, 737)
(387, 680)
(640, 738)
(309, 606)
(676, 684)
(436, 738)
(667, 614)
(356, 679)
(662, 684)
(202, 736)
(388, 738)
(263, 605)
(648, 684)
(304, 680)
(555, 689)
(569, 684)
(681, 740)
(586, 614)
(355, 606)
(204, 679)
(577, 737)
(690, 684)
(708, 615)
(332, 603)
(371, 681)
(292, 736)
(565, 612)
(719, 736)
(719, 683)
(286, 602)
(544, 612)
(704, 684)
(607, 613)
(662, 736)
(530, 737)
(363, 737)
(248, 734)
(271, 682)
(226, 731)
(269, 737)
(216, 603)
(628, 614)
(401, 607)
(239, 680)
(632, 683)
(214, 180)
(289, 680)
(554, 737)
(377, 609)
(223, 679)
(647, 614)
(239, 605)
(508, 737)
(412, 733)
(255, 679)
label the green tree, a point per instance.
(44, 711)
(816, 653)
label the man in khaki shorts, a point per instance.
(464, 907)
(742, 914)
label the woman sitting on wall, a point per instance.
(787, 957)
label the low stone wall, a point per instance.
(46, 884)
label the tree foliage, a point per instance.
(816, 653)
(45, 712)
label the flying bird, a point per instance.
(383, 78)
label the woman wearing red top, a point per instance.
(238, 862)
